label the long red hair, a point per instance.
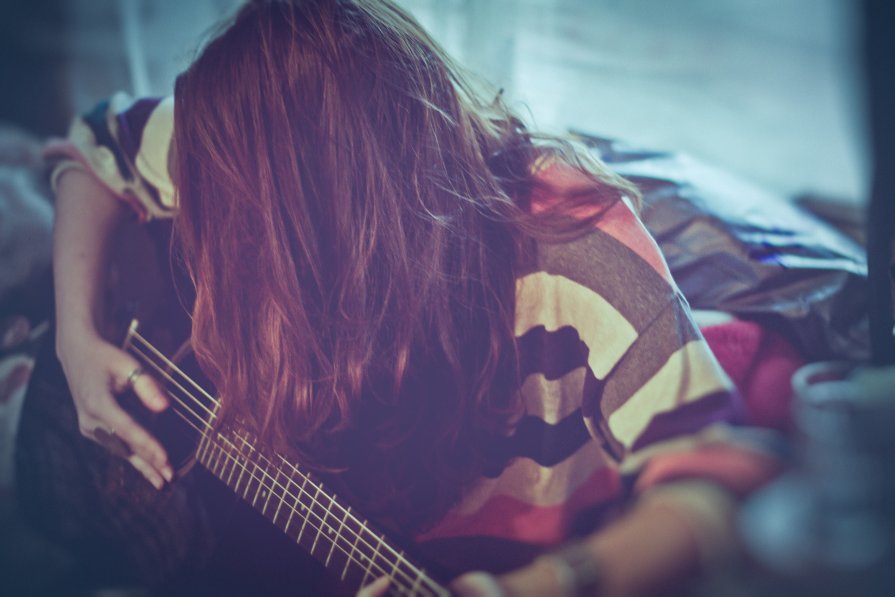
(354, 216)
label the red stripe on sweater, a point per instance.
(507, 517)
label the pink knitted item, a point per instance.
(760, 362)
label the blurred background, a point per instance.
(768, 89)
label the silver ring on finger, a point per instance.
(132, 377)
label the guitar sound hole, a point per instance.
(179, 439)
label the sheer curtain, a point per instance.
(767, 89)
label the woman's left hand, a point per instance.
(538, 578)
(533, 580)
(377, 588)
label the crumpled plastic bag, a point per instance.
(734, 247)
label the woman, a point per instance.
(462, 326)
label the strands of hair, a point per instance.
(354, 215)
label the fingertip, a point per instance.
(375, 588)
(160, 459)
(149, 449)
(157, 482)
(156, 401)
(477, 583)
(148, 473)
(159, 403)
(151, 394)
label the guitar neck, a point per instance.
(314, 518)
(295, 503)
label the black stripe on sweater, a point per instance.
(538, 440)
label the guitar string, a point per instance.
(419, 573)
(415, 580)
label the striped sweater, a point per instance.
(620, 392)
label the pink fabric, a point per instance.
(511, 518)
(761, 363)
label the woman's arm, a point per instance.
(663, 541)
(86, 216)
(660, 543)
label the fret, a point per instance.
(256, 475)
(230, 459)
(333, 533)
(252, 478)
(232, 470)
(215, 458)
(395, 563)
(414, 589)
(261, 483)
(203, 449)
(295, 507)
(323, 517)
(283, 489)
(371, 559)
(242, 471)
(292, 509)
(220, 460)
(309, 511)
(209, 452)
(269, 491)
(266, 487)
(226, 458)
(353, 545)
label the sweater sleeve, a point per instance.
(668, 412)
(654, 396)
(125, 144)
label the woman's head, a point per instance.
(353, 216)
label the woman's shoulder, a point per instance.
(125, 143)
(604, 287)
(617, 252)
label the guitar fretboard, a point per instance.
(297, 504)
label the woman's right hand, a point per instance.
(87, 217)
(97, 372)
